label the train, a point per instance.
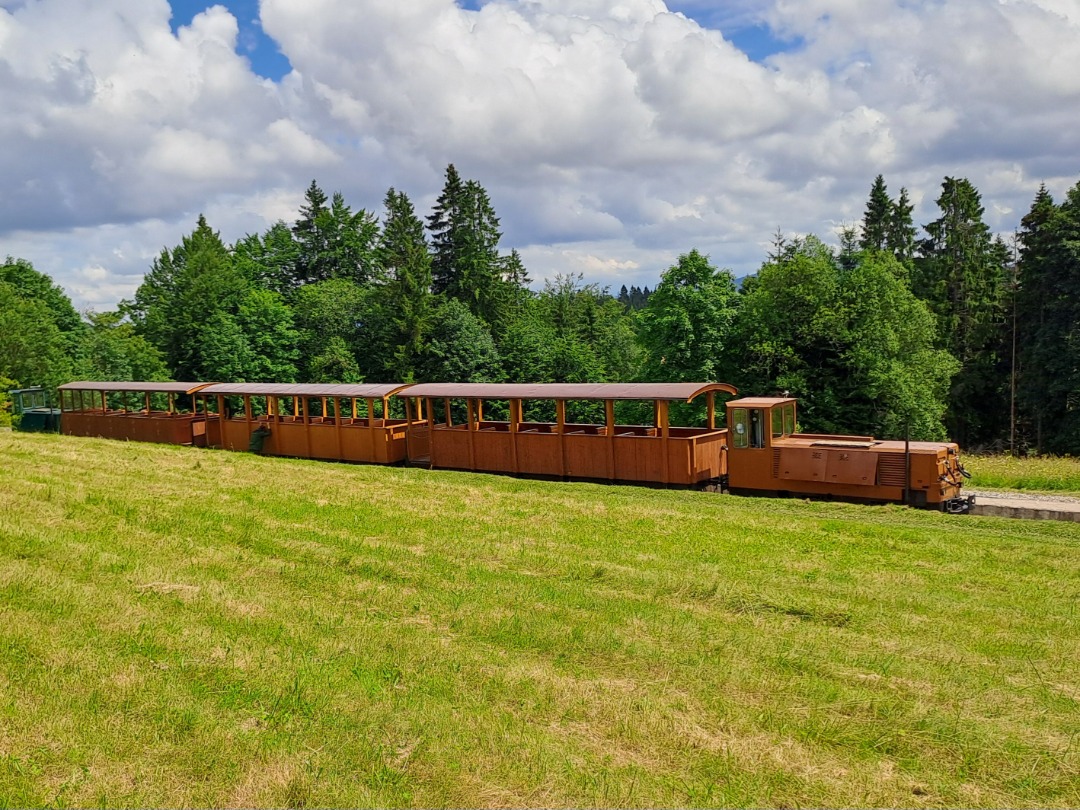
(546, 430)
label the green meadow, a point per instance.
(187, 627)
(1045, 474)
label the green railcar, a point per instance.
(32, 412)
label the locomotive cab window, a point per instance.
(739, 429)
(777, 420)
(757, 427)
(789, 418)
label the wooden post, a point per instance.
(449, 418)
(609, 418)
(296, 407)
(430, 410)
(221, 420)
(370, 403)
(470, 407)
(148, 404)
(515, 419)
(354, 408)
(337, 428)
(662, 410)
(479, 410)
(305, 409)
(560, 428)
(710, 399)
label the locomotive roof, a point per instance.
(759, 402)
(576, 391)
(363, 391)
(148, 387)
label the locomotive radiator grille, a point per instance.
(775, 463)
(890, 470)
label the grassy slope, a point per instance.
(1047, 474)
(204, 628)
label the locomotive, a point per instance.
(767, 456)
(501, 428)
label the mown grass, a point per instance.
(1044, 474)
(185, 627)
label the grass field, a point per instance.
(1048, 474)
(186, 627)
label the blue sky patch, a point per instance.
(266, 60)
(752, 37)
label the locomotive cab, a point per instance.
(755, 424)
(767, 456)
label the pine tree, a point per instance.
(876, 220)
(270, 260)
(441, 224)
(1040, 340)
(466, 263)
(961, 275)
(312, 238)
(477, 259)
(351, 242)
(901, 234)
(403, 255)
(1050, 308)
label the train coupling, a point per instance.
(960, 505)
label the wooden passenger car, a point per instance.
(767, 456)
(126, 410)
(656, 453)
(334, 422)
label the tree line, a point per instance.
(945, 332)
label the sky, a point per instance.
(611, 135)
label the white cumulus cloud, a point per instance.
(611, 136)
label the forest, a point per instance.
(944, 330)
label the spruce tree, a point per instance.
(1050, 307)
(900, 239)
(876, 220)
(466, 264)
(1040, 340)
(311, 235)
(961, 275)
(403, 255)
(351, 243)
(441, 224)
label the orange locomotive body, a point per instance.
(766, 456)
